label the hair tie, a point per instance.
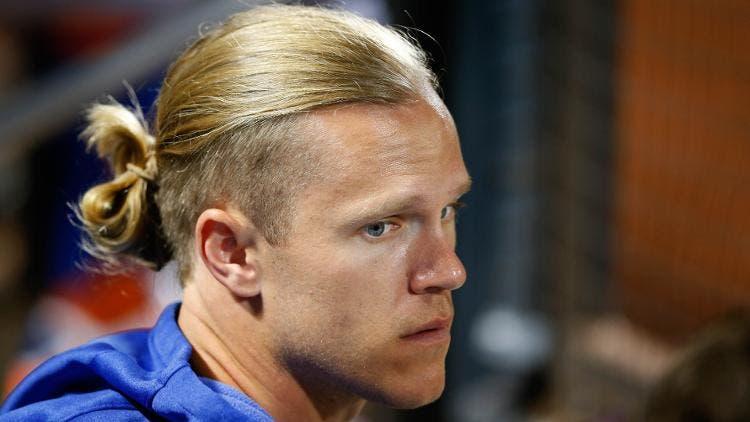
(148, 172)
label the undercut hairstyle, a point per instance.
(228, 128)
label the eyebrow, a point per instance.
(465, 187)
(370, 211)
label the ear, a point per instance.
(228, 246)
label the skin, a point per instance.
(313, 328)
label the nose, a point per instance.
(436, 266)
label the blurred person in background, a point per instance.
(711, 382)
(305, 176)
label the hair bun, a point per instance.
(120, 135)
(119, 216)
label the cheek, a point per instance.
(371, 276)
(352, 290)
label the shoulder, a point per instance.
(138, 375)
(105, 405)
(96, 367)
(119, 373)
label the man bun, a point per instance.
(119, 217)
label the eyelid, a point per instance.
(457, 205)
(395, 225)
(387, 221)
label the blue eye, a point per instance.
(380, 228)
(376, 229)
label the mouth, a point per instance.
(435, 331)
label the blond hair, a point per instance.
(227, 127)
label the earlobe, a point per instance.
(228, 249)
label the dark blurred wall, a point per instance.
(683, 162)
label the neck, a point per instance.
(230, 345)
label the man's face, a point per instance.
(359, 296)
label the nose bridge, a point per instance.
(436, 265)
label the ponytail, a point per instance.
(119, 217)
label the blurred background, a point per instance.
(609, 142)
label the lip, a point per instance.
(435, 331)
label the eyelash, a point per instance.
(384, 222)
(455, 205)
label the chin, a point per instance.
(414, 393)
(416, 402)
(413, 401)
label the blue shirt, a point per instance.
(135, 375)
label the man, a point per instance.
(306, 176)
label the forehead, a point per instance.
(374, 155)
(386, 140)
